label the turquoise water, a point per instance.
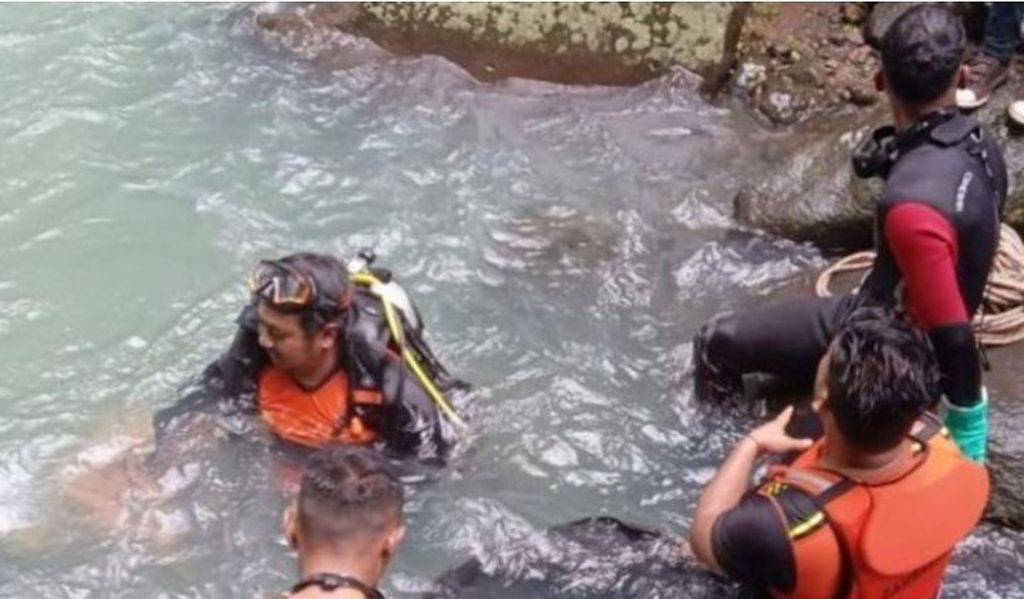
(563, 245)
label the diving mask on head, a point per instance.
(286, 289)
(281, 286)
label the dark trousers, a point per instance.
(785, 339)
(1002, 29)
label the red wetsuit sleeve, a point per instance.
(924, 245)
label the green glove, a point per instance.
(969, 426)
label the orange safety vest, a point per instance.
(314, 418)
(882, 540)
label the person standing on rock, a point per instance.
(872, 509)
(936, 232)
(990, 67)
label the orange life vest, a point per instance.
(882, 540)
(314, 418)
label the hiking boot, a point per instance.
(985, 74)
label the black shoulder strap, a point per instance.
(364, 347)
(330, 582)
(950, 127)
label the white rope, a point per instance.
(1000, 321)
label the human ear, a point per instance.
(289, 526)
(820, 402)
(391, 543)
(328, 336)
(820, 393)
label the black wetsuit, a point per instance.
(408, 421)
(939, 216)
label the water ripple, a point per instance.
(563, 245)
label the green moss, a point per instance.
(632, 34)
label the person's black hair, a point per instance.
(921, 53)
(347, 494)
(331, 279)
(882, 375)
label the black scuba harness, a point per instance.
(328, 581)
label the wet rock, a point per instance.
(751, 75)
(863, 95)
(813, 195)
(854, 13)
(586, 558)
(861, 55)
(993, 116)
(324, 43)
(1006, 443)
(1006, 506)
(778, 50)
(816, 77)
(854, 36)
(778, 107)
(779, 101)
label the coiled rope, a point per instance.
(1000, 320)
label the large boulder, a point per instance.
(1005, 382)
(583, 43)
(813, 195)
(994, 116)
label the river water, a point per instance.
(563, 245)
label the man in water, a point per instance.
(937, 229)
(315, 356)
(875, 507)
(346, 524)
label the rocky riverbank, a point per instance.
(789, 61)
(802, 66)
(588, 43)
